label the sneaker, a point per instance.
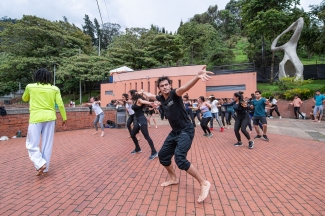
(211, 129)
(250, 144)
(271, 117)
(280, 117)
(238, 144)
(257, 137)
(153, 156)
(206, 134)
(199, 123)
(210, 135)
(222, 129)
(265, 138)
(134, 151)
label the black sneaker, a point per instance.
(238, 144)
(134, 151)
(153, 156)
(265, 138)
(250, 144)
(210, 135)
(257, 137)
(206, 134)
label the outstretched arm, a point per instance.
(202, 74)
(148, 95)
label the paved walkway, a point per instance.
(90, 175)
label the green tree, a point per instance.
(89, 29)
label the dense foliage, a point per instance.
(208, 38)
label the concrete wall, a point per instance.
(78, 118)
(146, 80)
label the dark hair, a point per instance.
(185, 96)
(296, 95)
(239, 95)
(317, 90)
(43, 76)
(258, 92)
(212, 98)
(126, 96)
(202, 98)
(136, 96)
(160, 79)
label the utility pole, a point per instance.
(98, 45)
(54, 76)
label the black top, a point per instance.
(239, 109)
(138, 110)
(174, 110)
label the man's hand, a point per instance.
(64, 125)
(244, 104)
(203, 74)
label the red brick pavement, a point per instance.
(90, 175)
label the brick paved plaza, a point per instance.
(90, 175)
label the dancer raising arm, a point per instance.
(138, 106)
(179, 140)
(95, 103)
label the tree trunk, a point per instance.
(272, 66)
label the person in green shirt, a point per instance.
(42, 97)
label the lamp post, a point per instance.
(54, 76)
(80, 90)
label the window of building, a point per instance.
(226, 88)
(130, 86)
(136, 86)
(108, 92)
(155, 87)
(125, 87)
(148, 86)
(179, 83)
(141, 85)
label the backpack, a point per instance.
(3, 111)
(110, 124)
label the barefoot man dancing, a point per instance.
(179, 140)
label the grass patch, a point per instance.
(85, 96)
(240, 55)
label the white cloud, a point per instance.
(127, 13)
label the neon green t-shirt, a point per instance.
(42, 100)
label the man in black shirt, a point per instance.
(179, 140)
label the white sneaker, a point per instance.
(4, 138)
(270, 117)
(280, 117)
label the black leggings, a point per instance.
(223, 116)
(204, 124)
(144, 131)
(297, 110)
(198, 115)
(241, 123)
(129, 122)
(275, 109)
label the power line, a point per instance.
(109, 20)
(99, 12)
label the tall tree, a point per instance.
(89, 29)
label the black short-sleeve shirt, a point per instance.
(174, 110)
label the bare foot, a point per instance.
(95, 132)
(149, 125)
(40, 171)
(204, 191)
(102, 134)
(138, 138)
(170, 182)
(156, 126)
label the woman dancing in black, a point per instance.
(141, 123)
(241, 122)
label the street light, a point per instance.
(80, 93)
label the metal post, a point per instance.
(98, 45)
(80, 91)
(54, 75)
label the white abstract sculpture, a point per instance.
(291, 65)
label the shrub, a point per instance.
(267, 94)
(304, 93)
(285, 82)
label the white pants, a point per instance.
(46, 129)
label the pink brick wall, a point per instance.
(11, 123)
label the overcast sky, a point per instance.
(127, 13)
